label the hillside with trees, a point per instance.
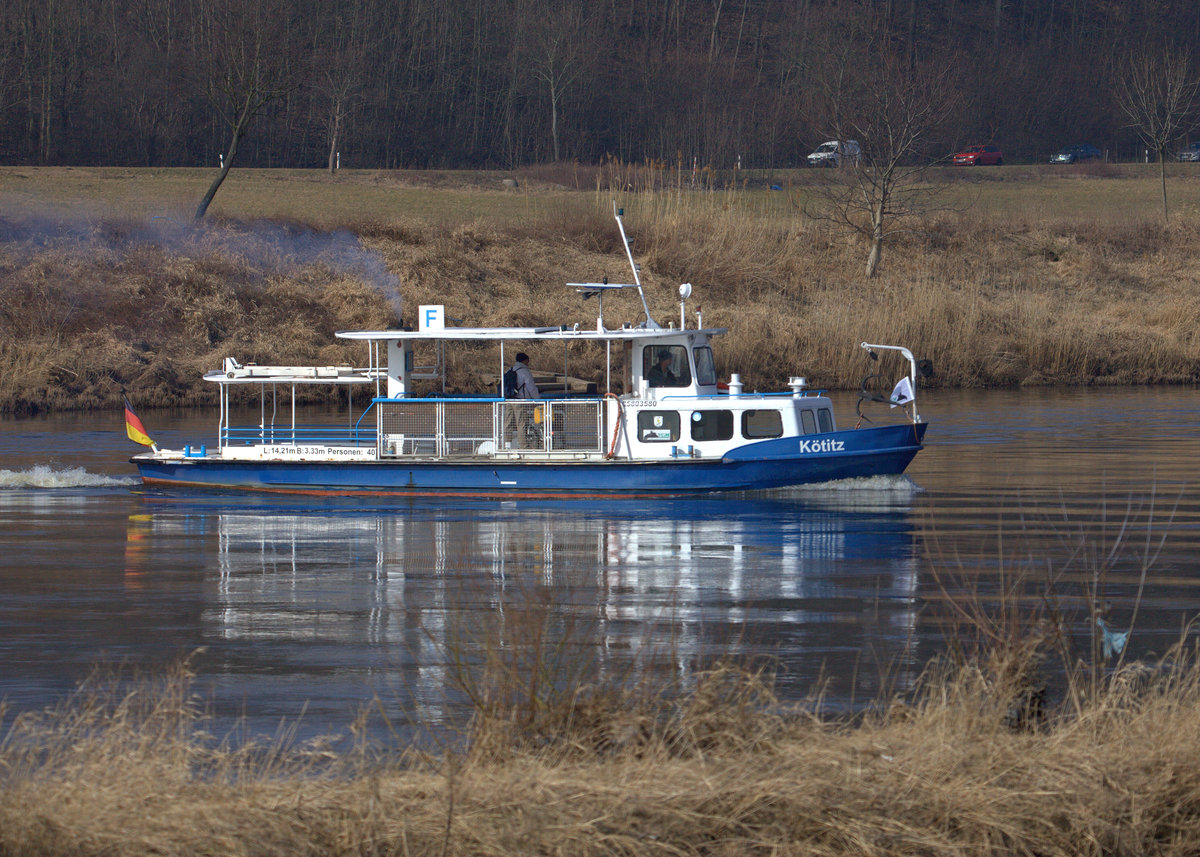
(506, 83)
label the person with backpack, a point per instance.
(518, 383)
(524, 387)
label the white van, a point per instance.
(831, 153)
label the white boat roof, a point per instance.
(252, 373)
(564, 332)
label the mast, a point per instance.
(651, 324)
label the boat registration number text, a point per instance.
(319, 451)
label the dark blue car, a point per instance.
(1076, 152)
(1191, 153)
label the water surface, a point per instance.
(296, 608)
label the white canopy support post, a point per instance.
(222, 410)
(376, 363)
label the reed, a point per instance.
(580, 765)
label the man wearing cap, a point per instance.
(660, 374)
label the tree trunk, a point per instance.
(46, 100)
(712, 39)
(238, 129)
(876, 242)
(554, 120)
(1162, 174)
(333, 139)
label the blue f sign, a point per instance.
(432, 317)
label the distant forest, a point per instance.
(508, 83)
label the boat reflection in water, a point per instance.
(319, 601)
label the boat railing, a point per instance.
(480, 426)
(726, 397)
(446, 427)
(287, 435)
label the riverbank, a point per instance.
(1026, 278)
(972, 765)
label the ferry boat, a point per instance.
(658, 422)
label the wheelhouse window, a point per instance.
(712, 425)
(808, 421)
(706, 372)
(825, 418)
(658, 426)
(762, 423)
(666, 366)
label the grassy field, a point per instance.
(1022, 275)
(1086, 192)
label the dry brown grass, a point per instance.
(561, 754)
(1010, 290)
(719, 769)
(85, 316)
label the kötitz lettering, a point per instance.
(817, 446)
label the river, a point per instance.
(308, 611)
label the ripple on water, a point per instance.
(47, 476)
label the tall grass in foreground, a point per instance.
(723, 769)
(560, 758)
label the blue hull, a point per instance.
(881, 451)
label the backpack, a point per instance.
(508, 387)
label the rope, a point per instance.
(612, 446)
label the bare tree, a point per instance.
(11, 21)
(39, 40)
(340, 58)
(894, 110)
(560, 50)
(247, 65)
(1157, 90)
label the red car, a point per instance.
(978, 156)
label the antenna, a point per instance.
(619, 213)
(685, 292)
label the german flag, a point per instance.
(134, 427)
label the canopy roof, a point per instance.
(548, 333)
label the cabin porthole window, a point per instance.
(712, 425)
(658, 426)
(761, 423)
